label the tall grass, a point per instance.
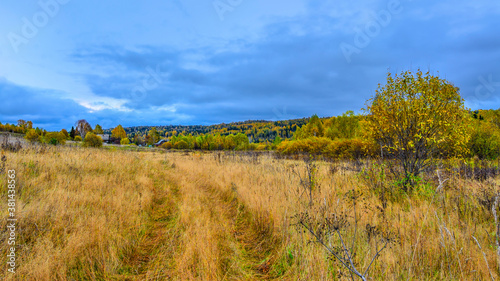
(81, 212)
(96, 214)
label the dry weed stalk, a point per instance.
(440, 186)
(323, 232)
(497, 227)
(309, 182)
(330, 226)
(485, 259)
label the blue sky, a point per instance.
(207, 62)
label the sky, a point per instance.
(187, 62)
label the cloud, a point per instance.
(297, 70)
(47, 109)
(293, 67)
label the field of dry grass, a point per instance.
(97, 214)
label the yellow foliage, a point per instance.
(417, 116)
(340, 149)
(118, 132)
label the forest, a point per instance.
(257, 130)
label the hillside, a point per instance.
(257, 130)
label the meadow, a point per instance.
(110, 214)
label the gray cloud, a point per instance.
(295, 63)
(47, 109)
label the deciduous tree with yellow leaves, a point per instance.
(118, 132)
(416, 117)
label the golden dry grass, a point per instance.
(96, 214)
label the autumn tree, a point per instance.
(22, 124)
(414, 117)
(241, 141)
(182, 144)
(118, 132)
(138, 139)
(314, 128)
(342, 127)
(25, 125)
(83, 127)
(98, 129)
(229, 142)
(276, 142)
(204, 141)
(153, 136)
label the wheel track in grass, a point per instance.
(198, 230)
(245, 242)
(153, 256)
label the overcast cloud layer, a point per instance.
(205, 62)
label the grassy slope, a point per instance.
(95, 214)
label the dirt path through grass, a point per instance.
(197, 230)
(153, 256)
(221, 240)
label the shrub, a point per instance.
(92, 140)
(339, 149)
(257, 146)
(181, 145)
(350, 149)
(65, 133)
(166, 145)
(61, 138)
(31, 136)
(54, 138)
(485, 145)
(124, 141)
(312, 145)
(261, 146)
(78, 138)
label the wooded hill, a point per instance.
(257, 130)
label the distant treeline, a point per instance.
(258, 131)
(336, 137)
(21, 127)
